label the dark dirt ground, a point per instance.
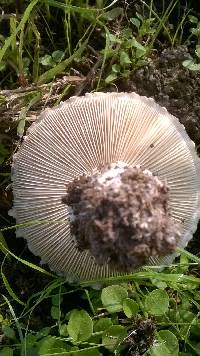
(172, 86)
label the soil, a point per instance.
(172, 86)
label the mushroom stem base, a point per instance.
(121, 215)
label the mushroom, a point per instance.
(113, 180)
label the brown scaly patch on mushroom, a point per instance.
(121, 215)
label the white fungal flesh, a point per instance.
(81, 135)
(112, 175)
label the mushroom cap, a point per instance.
(80, 135)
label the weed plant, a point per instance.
(144, 313)
(41, 40)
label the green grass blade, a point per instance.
(36, 60)
(73, 9)
(9, 289)
(23, 21)
(189, 255)
(31, 223)
(142, 276)
(29, 264)
(22, 115)
(15, 319)
(109, 6)
(3, 246)
(59, 68)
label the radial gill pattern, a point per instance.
(77, 137)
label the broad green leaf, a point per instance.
(80, 326)
(56, 299)
(55, 312)
(124, 59)
(113, 14)
(135, 22)
(115, 68)
(112, 38)
(190, 64)
(197, 51)
(8, 332)
(43, 332)
(138, 45)
(58, 55)
(140, 17)
(112, 298)
(158, 284)
(185, 316)
(193, 19)
(50, 345)
(63, 330)
(166, 345)
(157, 302)
(196, 31)
(47, 60)
(130, 307)
(111, 78)
(126, 34)
(113, 337)
(140, 52)
(102, 324)
(159, 349)
(170, 341)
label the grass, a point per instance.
(146, 313)
(106, 318)
(81, 319)
(23, 52)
